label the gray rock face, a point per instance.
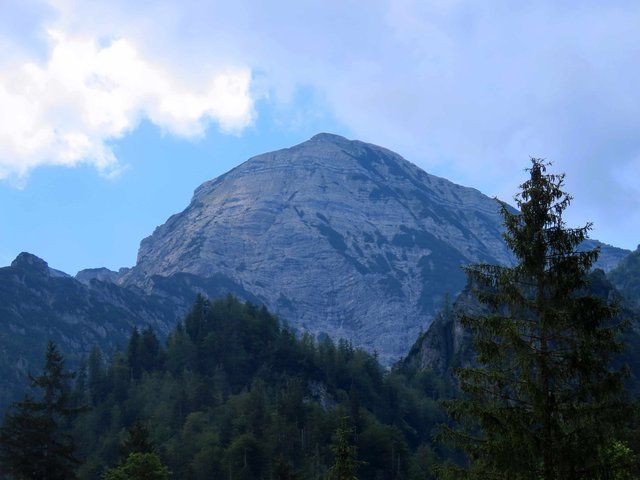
(447, 344)
(609, 258)
(335, 236)
(103, 274)
(26, 260)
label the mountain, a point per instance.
(626, 277)
(335, 236)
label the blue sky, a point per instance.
(114, 112)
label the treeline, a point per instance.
(235, 394)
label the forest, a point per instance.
(235, 394)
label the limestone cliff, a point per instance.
(335, 236)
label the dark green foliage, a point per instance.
(139, 459)
(234, 394)
(34, 443)
(139, 466)
(283, 470)
(543, 401)
(133, 354)
(150, 355)
(96, 380)
(345, 464)
(138, 441)
(143, 352)
(20, 439)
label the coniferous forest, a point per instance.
(235, 394)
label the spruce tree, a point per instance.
(542, 400)
(138, 441)
(139, 460)
(139, 466)
(345, 463)
(33, 441)
(133, 354)
(96, 376)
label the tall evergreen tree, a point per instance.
(149, 350)
(139, 459)
(96, 375)
(33, 442)
(542, 400)
(346, 464)
(133, 354)
(139, 466)
(137, 441)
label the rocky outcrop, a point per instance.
(446, 344)
(609, 257)
(103, 274)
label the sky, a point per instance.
(113, 112)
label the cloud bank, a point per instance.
(89, 93)
(468, 90)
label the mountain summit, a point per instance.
(335, 236)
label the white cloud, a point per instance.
(88, 93)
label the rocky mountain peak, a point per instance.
(328, 138)
(29, 261)
(336, 236)
(34, 265)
